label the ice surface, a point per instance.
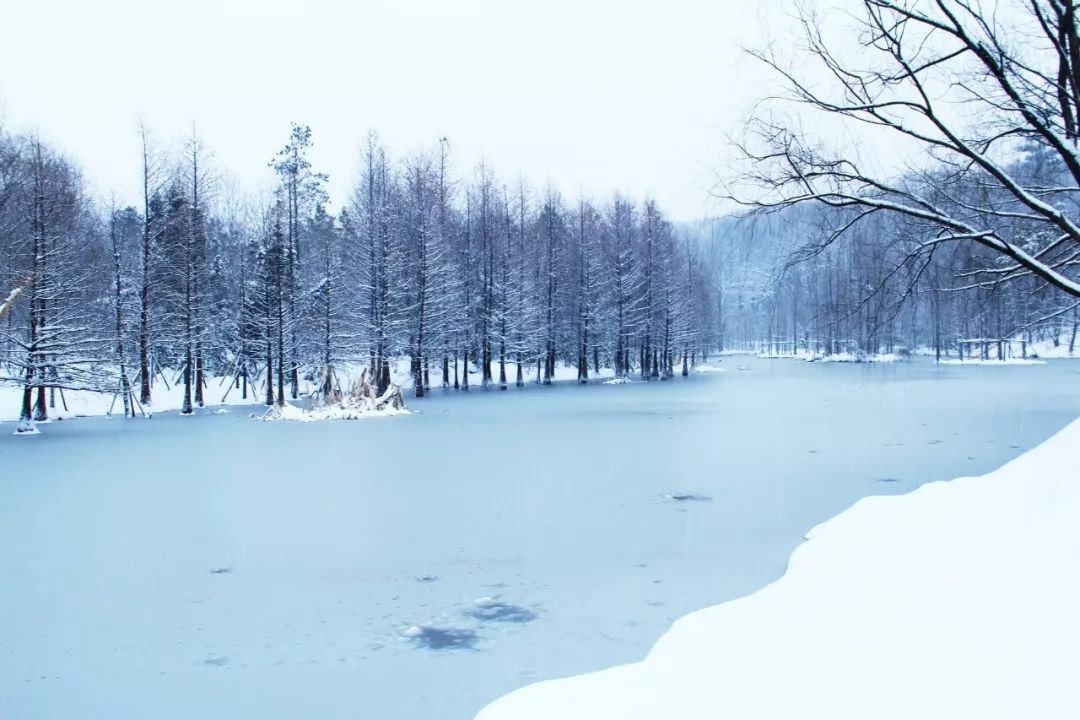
(992, 362)
(545, 499)
(493, 609)
(687, 497)
(955, 601)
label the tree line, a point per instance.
(785, 287)
(461, 273)
(973, 239)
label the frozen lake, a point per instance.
(419, 567)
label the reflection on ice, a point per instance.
(442, 638)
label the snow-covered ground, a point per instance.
(221, 393)
(422, 566)
(1042, 349)
(1047, 349)
(167, 396)
(293, 413)
(958, 600)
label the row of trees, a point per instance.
(785, 287)
(459, 275)
(976, 236)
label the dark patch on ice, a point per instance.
(221, 571)
(216, 661)
(442, 638)
(494, 610)
(934, 442)
(687, 497)
(813, 452)
(888, 479)
(427, 578)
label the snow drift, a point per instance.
(958, 600)
(361, 401)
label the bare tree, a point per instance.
(972, 85)
(150, 171)
(116, 245)
(302, 189)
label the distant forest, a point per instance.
(967, 235)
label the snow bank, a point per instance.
(359, 401)
(327, 412)
(1047, 349)
(958, 600)
(84, 403)
(219, 393)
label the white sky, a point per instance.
(593, 95)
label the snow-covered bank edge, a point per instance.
(956, 600)
(292, 413)
(168, 395)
